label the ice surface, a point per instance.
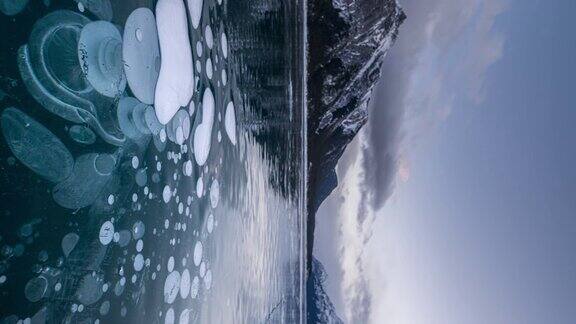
(100, 8)
(176, 80)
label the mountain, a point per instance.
(347, 41)
(320, 309)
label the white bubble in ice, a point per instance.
(209, 70)
(214, 193)
(199, 187)
(203, 132)
(208, 279)
(141, 54)
(139, 245)
(111, 200)
(185, 284)
(224, 77)
(166, 194)
(230, 122)
(202, 270)
(135, 162)
(170, 317)
(176, 80)
(199, 48)
(209, 36)
(171, 287)
(138, 262)
(194, 287)
(210, 223)
(170, 265)
(188, 168)
(106, 233)
(224, 45)
(195, 10)
(197, 253)
(184, 317)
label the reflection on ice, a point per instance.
(35, 146)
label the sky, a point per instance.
(456, 201)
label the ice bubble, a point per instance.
(139, 118)
(166, 194)
(100, 55)
(209, 36)
(35, 146)
(230, 122)
(210, 223)
(90, 289)
(139, 245)
(194, 287)
(135, 162)
(124, 238)
(195, 10)
(199, 187)
(188, 168)
(106, 233)
(53, 75)
(152, 121)
(138, 230)
(197, 253)
(202, 270)
(185, 284)
(170, 317)
(82, 134)
(141, 177)
(138, 262)
(199, 48)
(91, 173)
(209, 71)
(208, 279)
(214, 193)
(170, 265)
(224, 77)
(100, 8)
(176, 79)
(224, 45)
(126, 107)
(179, 127)
(141, 54)
(171, 287)
(12, 7)
(203, 132)
(184, 317)
(36, 288)
(69, 241)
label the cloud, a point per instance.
(440, 61)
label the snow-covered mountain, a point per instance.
(347, 42)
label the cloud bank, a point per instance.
(441, 58)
